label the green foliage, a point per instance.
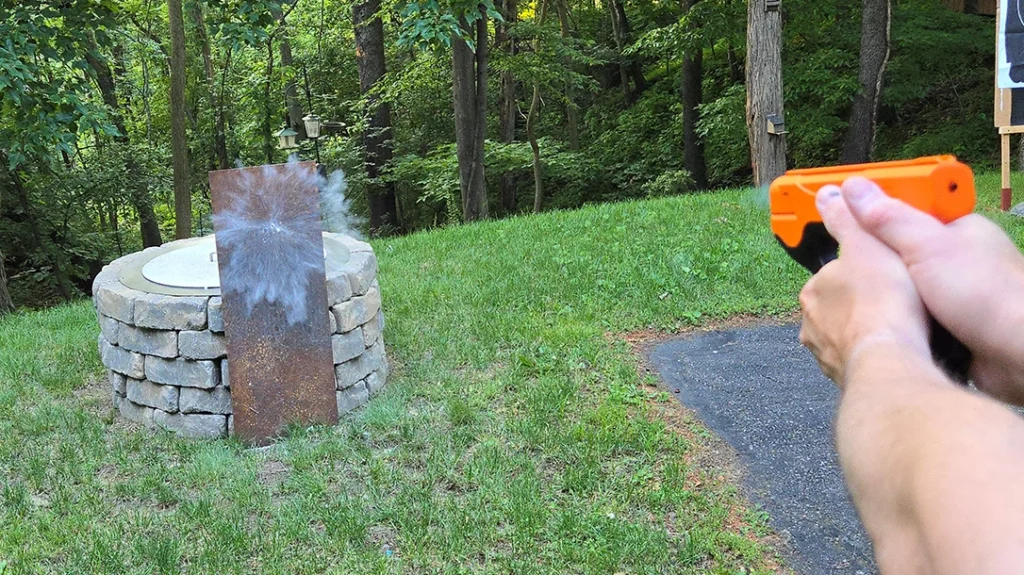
(570, 176)
(57, 135)
(243, 23)
(44, 90)
(635, 146)
(939, 97)
(723, 126)
(430, 24)
(669, 183)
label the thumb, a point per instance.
(906, 230)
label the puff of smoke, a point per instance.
(757, 198)
(271, 257)
(335, 208)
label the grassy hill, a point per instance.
(515, 434)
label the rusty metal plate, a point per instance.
(270, 253)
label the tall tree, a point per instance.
(291, 88)
(220, 146)
(620, 44)
(268, 105)
(149, 228)
(469, 85)
(531, 135)
(531, 122)
(874, 55)
(508, 108)
(571, 116)
(179, 142)
(377, 152)
(764, 91)
(692, 96)
(6, 303)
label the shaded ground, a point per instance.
(763, 394)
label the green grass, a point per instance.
(514, 437)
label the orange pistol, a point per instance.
(938, 185)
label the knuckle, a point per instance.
(879, 215)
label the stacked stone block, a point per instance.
(167, 355)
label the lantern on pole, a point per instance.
(312, 123)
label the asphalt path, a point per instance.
(761, 392)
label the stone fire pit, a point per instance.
(162, 333)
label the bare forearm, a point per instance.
(910, 443)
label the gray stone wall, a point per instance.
(166, 356)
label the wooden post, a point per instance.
(1007, 195)
(764, 89)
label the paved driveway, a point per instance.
(762, 393)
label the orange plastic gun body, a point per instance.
(938, 185)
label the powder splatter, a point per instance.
(279, 260)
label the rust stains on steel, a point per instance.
(270, 255)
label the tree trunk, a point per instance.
(508, 109)
(531, 122)
(620, 45)
(635, 69)
(469, 84)
(874, 55)
(149, 228)
(693, 146)
(268, 108)
(40, 237)
(369, 32)
(220, 147)
(179, 142)
(6, 304)
(764, 92)
(571, 118)
(291, 89)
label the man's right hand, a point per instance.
(969, 275)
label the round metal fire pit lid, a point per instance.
(193, 266)
(190, 267)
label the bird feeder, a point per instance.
(776, 125)
(286, 139)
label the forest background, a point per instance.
(441, 111)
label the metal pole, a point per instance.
(1007, 193)
(309, 95)
(316, 146)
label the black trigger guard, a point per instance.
(817, 248)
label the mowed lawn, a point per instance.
(515, 435)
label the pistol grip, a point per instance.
(817, 248)
(949, 352)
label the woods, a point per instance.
(447, 112)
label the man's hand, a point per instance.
(969, 275)
(864, 298)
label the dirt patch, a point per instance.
(383, 537)
(711, 459)
(641, 340)
(94, 396)
(272, 473)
